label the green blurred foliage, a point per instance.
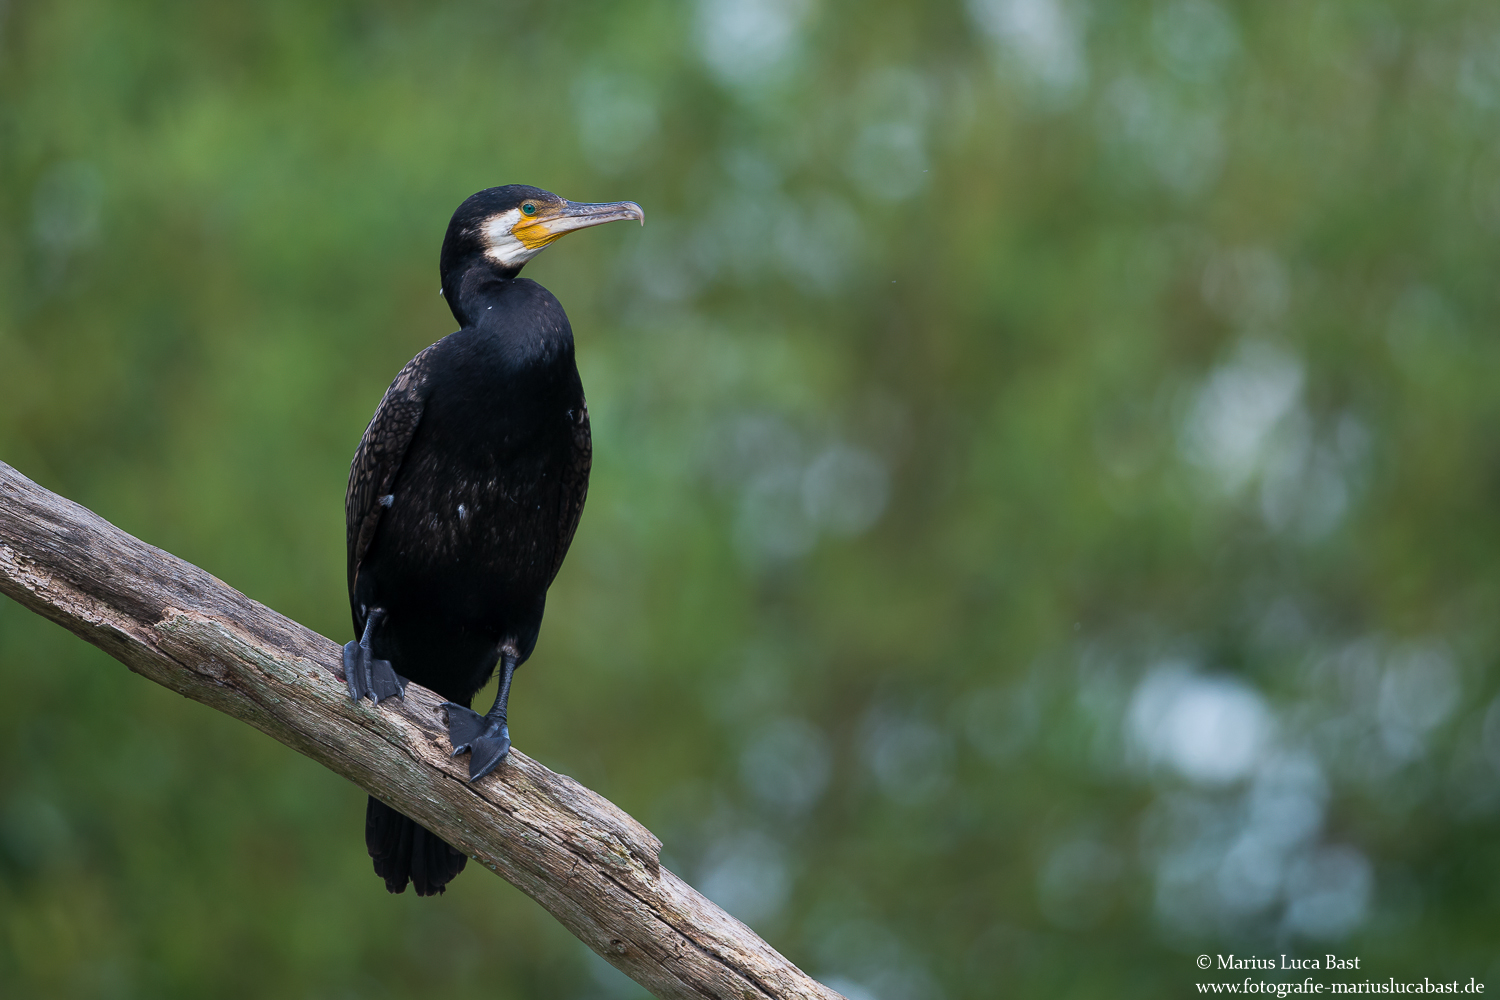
(1044, 514)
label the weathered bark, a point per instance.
(592, 866)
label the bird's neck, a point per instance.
(511, 324)
(475, 289)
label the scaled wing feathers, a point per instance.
(377, 461)
(575, 487)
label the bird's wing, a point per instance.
(377, 460)
(575, 486)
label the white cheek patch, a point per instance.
(500, 246)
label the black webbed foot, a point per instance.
(487, 752)
(486, 740)
(366, 675)
(464, 726)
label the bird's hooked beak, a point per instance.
(551, 222)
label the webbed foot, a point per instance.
(487, 740)
(366, 675)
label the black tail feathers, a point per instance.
(403, 850)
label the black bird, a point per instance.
(463, 497)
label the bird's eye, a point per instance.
(528, 208)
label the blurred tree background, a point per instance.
(1043, 522)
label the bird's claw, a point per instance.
(367, 676)
(486, 740)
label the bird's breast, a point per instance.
(486, 507)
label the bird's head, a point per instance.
(504, 227)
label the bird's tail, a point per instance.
(403, 850)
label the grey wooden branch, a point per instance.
(592, 866)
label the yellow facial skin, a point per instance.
(534, 231)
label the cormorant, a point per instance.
(463, 497)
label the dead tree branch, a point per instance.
(592, 866)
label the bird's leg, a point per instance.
(366, 675)
(486, 737)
